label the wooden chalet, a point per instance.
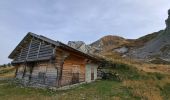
(40, 60)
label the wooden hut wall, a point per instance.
(38, 74)
(73, 68)
(20, 71)
(51, 75)
(34, 49)
(43, 73)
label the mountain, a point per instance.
(151, 47)
(112, 45)
(108, 43)
(156, 48)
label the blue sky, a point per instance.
(86, 20)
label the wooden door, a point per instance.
(75, 74)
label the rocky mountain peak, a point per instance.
(169, 12)
(76, 44)
(168, 21)
(158, 47)
(108, 40)
(81, 46)
(111, 37)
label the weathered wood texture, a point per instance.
(34, 50)
(20, 71)
(43, 73)
(73, 70)
(66, 69)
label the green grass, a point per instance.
(136, 85)
(5, 71)
(166, 91)
(100, 90)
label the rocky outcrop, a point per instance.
(81, 46)
(121, 50)
(158, 47)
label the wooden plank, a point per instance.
(31, 70)
(24, 71)
(39, 49)
(29, 48)
(20, 54)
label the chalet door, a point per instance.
(75, 74)
(91, 72)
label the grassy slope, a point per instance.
(141, 84)
(140, 81)
(100, 90)
(7, 72)
(136, 85)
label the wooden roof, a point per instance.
(57, 44)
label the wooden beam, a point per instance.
(39, 49)
(29, 48)
(20, 54)
(24, 70)
(16, 71)
(31, 70)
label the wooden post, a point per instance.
(31, 70)
(16, 71)
(29, 48)
(20, 54)
(61, 60)
(25, 65)
(61, 73)
(39, 49)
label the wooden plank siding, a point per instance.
(33, 50)
(43, 73)
(48, 73)
(73, 65)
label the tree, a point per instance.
(9, 64)
(4, 65)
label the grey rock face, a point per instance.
(81, 46)
(122, 50)
(158, 47)
(168, 20)
(76, 44)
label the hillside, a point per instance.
(113, 45)
(156, 48)
(153, 47)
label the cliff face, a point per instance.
(158, 47)
(80, 45)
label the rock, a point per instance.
(158, 47)
(122, 50)
(81, 46)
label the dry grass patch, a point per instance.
(7, 72)
(144, 89)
